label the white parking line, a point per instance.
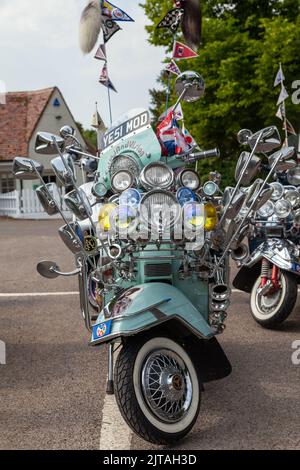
(54, 294)
(38, 294)
(114, 433)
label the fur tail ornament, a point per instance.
(191, 22)
(90, 26)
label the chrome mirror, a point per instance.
(67, 131)
(87, 188)
(243, 136)
(236, 204)
(293, 176)
(44, 144)
(286, 165)
(264, 197)
(49, 197)
(286, 153)
(23, 168)
(48, 269)
(239, 237)
(66, 233)
(78, 203)
(254, 194)
(65, 172)
(270, 140)
(190, 86)
(249, 172)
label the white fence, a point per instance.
(25, 205)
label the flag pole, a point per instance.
(109, 105)
(168, 91)
(284, 108)
(169, 79)
(285, 125)
(108, 95)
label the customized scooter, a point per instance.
(271, 274)
(152, 248)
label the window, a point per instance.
(49, 179)
(7, 183)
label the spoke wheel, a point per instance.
(157, 389)
(167, 385)
(272, 309)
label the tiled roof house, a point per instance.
(21, 117)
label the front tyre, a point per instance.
(157, 389)
(271, 310)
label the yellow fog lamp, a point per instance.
(124, 218)
(104, 218)
(211, 217)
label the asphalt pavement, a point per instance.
(52, 388)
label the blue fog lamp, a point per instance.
(131, 198)
(185, 195)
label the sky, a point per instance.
(39, 49)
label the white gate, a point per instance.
(25, 205)
(10, 204)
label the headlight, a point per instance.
(104, 216)
(211, 217)
(293, 197)
(194, 215)
(160, 209)
(189, 179)
(267, 210)
(99, 189)
(125, 162)
(131, 198)
(121, 181)
(157, 175)
(185, 195)
(278, 191)
(210, 189)
(283, 209)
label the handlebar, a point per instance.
(195, 157)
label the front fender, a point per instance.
(278, 251)
(145, 306)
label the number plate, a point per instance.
(101, 330)
(296, 268)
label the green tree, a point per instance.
(243, 43)
(89, 135)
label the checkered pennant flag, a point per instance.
(171, 20)
(109, 28)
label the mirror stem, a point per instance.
(237, 187)
(248, 212)
(181, 96)
(62, 214)
(84, 154)
(78, 192)
(73, 273)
